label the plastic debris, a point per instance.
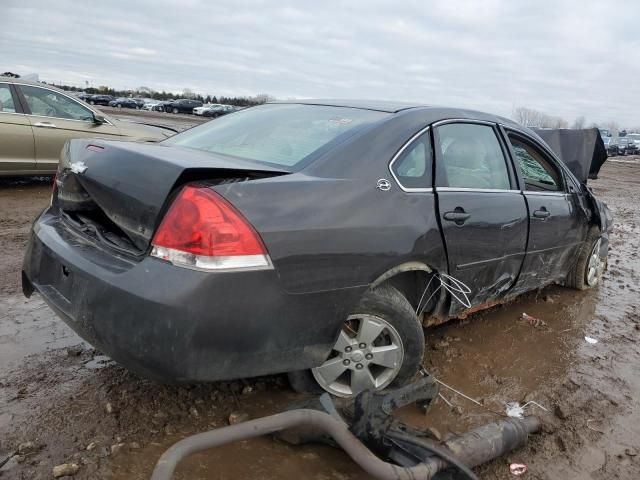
(591, 340)
(518, 469)
(533, 321)
(515, 410)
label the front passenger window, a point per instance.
(471, 158)
(47, 103)
(538, 173)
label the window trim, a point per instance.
(27, 110)
(467, 189)
(407, 144)
(506, 153)
(549, 156)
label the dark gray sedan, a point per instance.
(316, 238)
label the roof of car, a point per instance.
(17, 80)
(378, 105)
(31, 82)
(434, 113)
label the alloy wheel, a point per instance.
(367, 356)
(595, 265)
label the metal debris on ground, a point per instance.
(591, 340)
(459, 392)
(518, 469)
(533, 321)
(445, 400)
(366, 425)
(514, 410)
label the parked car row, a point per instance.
(214, 110)
(111, 101)
(629, 145)
(180, 105)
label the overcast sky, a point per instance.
(563, 57)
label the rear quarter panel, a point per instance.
(328, 227)
(328, 234)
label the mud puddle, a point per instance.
(51, 395)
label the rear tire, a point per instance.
(384, 306)
(588, 269)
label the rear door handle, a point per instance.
(542, 213)
(458, 215)
(44, 125)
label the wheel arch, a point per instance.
(412, 279)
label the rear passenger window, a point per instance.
(412, 168)
(539, 174)
(471, 158)
(6, 100)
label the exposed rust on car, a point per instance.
(478, 308)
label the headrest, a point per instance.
(463, 153)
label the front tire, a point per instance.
(381, 344)
(588, 270)
(175, 110)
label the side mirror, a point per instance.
(99, 119)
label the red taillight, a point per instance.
(202, 230)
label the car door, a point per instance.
(557, 221)
(17, 150)
(188, 106)
(56, 118)
(483, 215)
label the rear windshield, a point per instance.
(280, 134)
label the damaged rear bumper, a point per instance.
(175, 324)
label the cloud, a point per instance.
(564, 57)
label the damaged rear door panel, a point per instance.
(483, 215)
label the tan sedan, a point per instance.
(36, 120)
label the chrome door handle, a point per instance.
(44, 125)
(459, 216)
(542, 213)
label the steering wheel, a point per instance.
(50, 112)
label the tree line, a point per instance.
(530, 117)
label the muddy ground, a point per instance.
(75, 405)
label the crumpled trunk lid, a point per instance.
(111, 189)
